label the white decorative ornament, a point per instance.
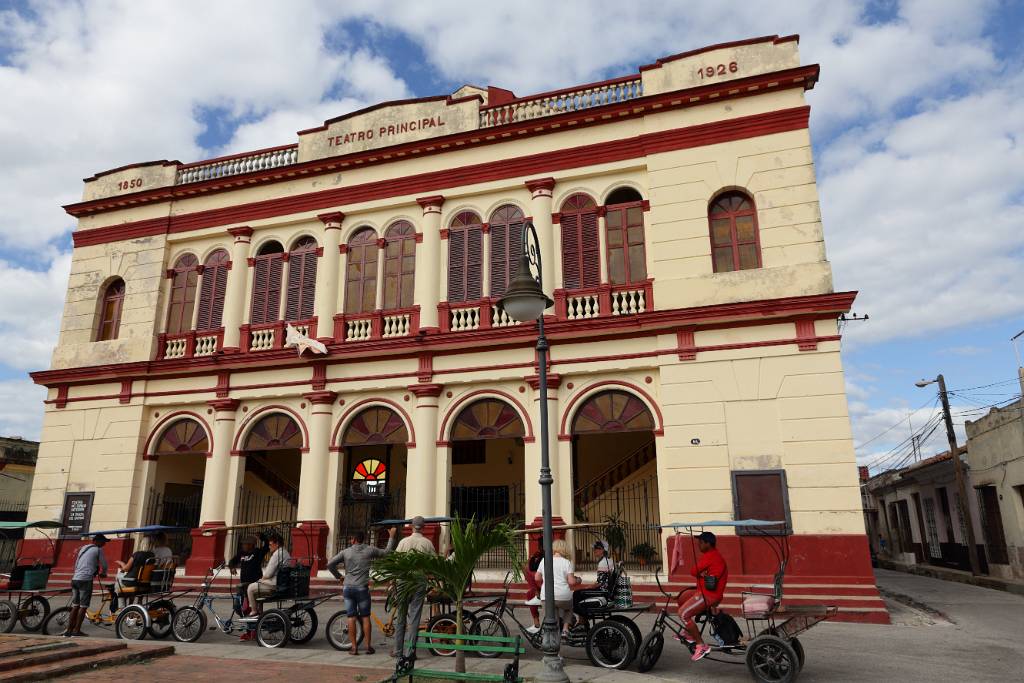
(294, 339)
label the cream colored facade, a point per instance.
(739, 371)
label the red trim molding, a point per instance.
(540, 185)
(332, 219)
(687, 347)
(426, 390)
(241, 231)
(572, 157)
(167, 421)
(126, 391)
(805, 336)
(62, 397)
(320, 398)
(224, 405)
(434, 201)
(554, 381)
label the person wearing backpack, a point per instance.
(711, 574)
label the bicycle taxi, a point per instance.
(288, 613)
(144, 608)
(26, 597)
(769, 646)
(607, 629)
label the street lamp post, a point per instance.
(958, 469)
(525, 300)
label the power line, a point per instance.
(909, 415)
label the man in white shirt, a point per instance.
(415, 542)
(267, 584)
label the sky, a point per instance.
(917, 125)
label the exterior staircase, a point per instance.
(258, 466)
(42, 658)
(606, 480)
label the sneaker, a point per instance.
(76, 634)
(532, 629)
(685, 639)
(700, 653)
(534, 602)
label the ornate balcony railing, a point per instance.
(190, 344)
(237, 164)
(473, 315)
(271, 336)
(604, 300)
(562, 101)
(392, 324)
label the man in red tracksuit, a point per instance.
(694, 601)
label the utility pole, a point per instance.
(965, 503)
(1020, 379)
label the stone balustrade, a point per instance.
(237, 165)
(562, 101)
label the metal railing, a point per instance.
(630, 514)
(174, 511)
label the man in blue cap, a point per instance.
(89, 561)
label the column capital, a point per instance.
(431, 204)
(319, 398)
(331, 220)
(426, 390)
(554, 381)
(241, 234)
(540, 186)
(224, 405)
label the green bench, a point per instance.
(483, 645)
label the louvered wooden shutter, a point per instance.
(515, 250)
(571, 278)
(274, 277)
(474, 264)
(260, 268)
(301, 286)
(457, 266)
(220, 288)
(590, 265)
(206, 291)
(499, 259)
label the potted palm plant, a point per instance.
(412, 573)
(644, 553)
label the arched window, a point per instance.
(184, 436)
(612, 411)
(211, 292)
(399, 265)
(301, 280)
(361, 272)
(735, 243)
(488, 418)
(184, 278)
(375, 425)
(110, 311)
(465, 258)
(276, 431)
(506, 227)
(624, 227)
(581, 250)
(268, 266)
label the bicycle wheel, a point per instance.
(337, 631)
(161, 613)
(610, 645)
(56, 622)
(131, 623)
(273, 629)
(650, 651)
(8, 616)
(303, 626)
(489, 624)
(188, 624)
(33, 613)
(446, 624)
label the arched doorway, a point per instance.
(374, 459)
(615, 477)
(273, 466)
(487, 463)
(176, 494)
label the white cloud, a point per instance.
(30, 311)
(21, 411)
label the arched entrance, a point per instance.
(273, 466)
(487, 463)
(176, 493)
(615, 477)
(374, 459)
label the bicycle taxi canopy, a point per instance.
(146, 530)
(403, 522)
(41, 524)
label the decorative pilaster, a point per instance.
(310, 540)
(234, 296)
(541, 190)
(429, 270)
(207, 547)
(421, 484)
(327, 274)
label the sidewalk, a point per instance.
(946, 574)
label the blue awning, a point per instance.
(739, 523)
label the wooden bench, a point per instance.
(496, 645)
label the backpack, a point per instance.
(726, 628)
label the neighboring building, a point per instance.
(914, 515)
(996, 454)
(695, 365)
(17, 468)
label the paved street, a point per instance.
(941, 630)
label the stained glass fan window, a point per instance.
(370, 477)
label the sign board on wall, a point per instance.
(77, 513)
(390, 124)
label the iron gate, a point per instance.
(173, 511)
(491, 503)
(629, 515)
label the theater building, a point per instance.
(695, 370)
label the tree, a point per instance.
(411, 573)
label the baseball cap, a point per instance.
(418, 522)
(100, 538)
(707, 537)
